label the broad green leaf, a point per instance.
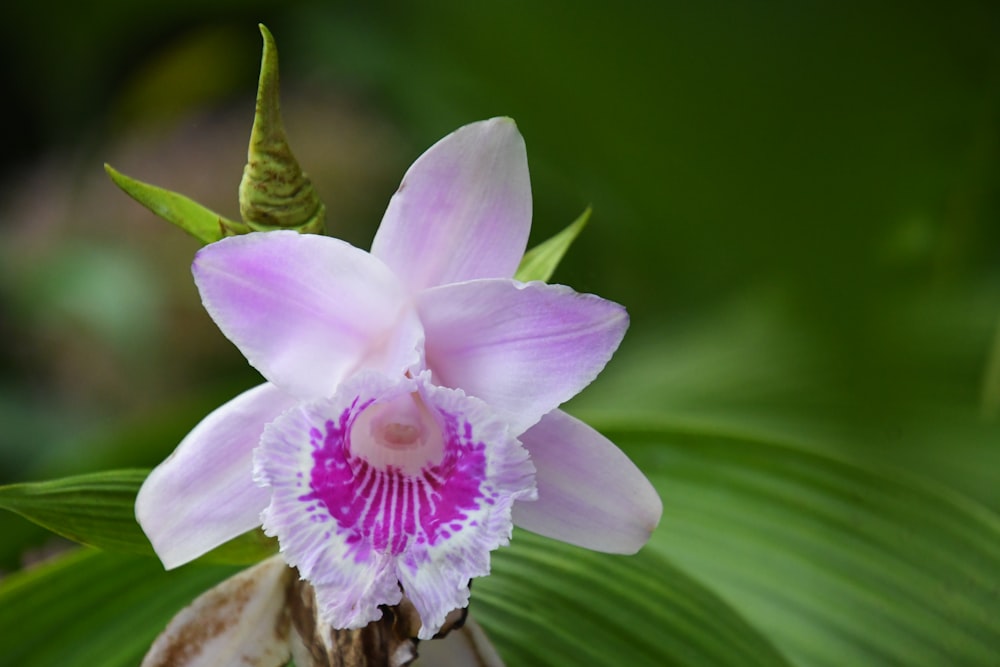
(745, 366)
(189, 215)
(990, 401)
(540, 262)
(837, 564)
(93, 609)
(548, 603)
(98, 509)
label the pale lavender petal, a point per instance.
(589, 493)
(522, 348)
(203, 494)
(240, 622)
(463, 210)
(358, 522)
(308, 310)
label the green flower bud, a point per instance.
(275, 193)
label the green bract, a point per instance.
(540, 262)
(198, 221)
(274, 193)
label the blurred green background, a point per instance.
(799, 203)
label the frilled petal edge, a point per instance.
(589, 493)
(357, 526)
(463, 209)
(203, 494)
(524, 348)
(308, 310)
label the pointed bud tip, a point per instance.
(269, 43)
(115, 175)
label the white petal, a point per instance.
(240, 622)
(463, 210)
(468, 646)
(204, 494)
(522, 348)
(589, 493)
(308, 310)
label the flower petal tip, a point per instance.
(589, 493)
(647, 521)
(524, 348)
(463, 209)
(203, 494)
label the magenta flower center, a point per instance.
(392, 473)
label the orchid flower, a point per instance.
(410, 413)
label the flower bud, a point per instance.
(275, 193)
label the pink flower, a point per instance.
(410, 413)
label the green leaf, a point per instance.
(832, 562)
(95, 509)
(990, 401)
(548, 603)
(250, 547)
(89, 608)
(98, 509)
(198, 221)
(837, 564)
(540, 262)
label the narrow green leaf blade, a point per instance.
(189, 215)
(540, 262)
(549, 603)
(835, 563)
(98, 509)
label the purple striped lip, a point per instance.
(394, 472)
(391, 485)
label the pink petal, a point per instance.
(239, 623)
(463, 210)
(203, 494)
(589, 493)
(307, 310)
(522, 348)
